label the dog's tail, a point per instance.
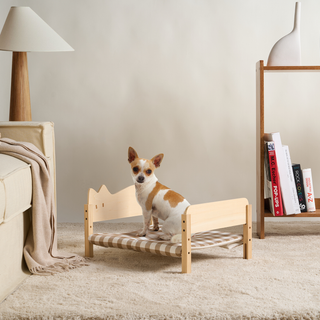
(176, 238)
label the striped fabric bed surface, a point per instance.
(152, 244)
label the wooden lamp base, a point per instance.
(20, 106)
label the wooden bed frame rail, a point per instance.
(216, 215)
(103, 205)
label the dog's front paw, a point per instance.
(165, 237)
(176, 238)
(141, 233)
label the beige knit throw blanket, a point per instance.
(40, 250)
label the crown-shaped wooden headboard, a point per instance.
(107, 206)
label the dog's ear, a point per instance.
(157, 160)
(132, 154)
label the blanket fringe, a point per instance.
(58, 267)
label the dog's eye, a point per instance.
(149, 171)
(136, 169)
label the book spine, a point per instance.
(292, 184)
(297, 173)
(275, 181)
(267, 178)
(286, 191)
(308, 187)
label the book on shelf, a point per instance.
(291, 177)
(298, 178)
(308, 187)
(287, 185)
(272, 180)
(267, 179)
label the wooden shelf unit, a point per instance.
(261, 204)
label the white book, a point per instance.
(291, 177)
(289, 193)
(308, 189)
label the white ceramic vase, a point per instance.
(287, 51)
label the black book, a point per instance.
(298, 179)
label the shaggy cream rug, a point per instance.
(282, 281)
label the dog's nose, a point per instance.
(140, 179)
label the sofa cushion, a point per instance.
(15, 187)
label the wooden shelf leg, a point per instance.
(260, 147)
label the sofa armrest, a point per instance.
(41, 134)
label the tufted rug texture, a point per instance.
(282, 281)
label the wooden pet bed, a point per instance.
(198, 220)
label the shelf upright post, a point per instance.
(259, 148)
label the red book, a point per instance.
(277, 207)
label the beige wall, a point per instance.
(170, 76)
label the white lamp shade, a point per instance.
(25, 31)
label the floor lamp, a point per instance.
(24, 31)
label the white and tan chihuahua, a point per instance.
(155, 199)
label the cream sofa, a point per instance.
(16, 199)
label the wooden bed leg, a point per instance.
(88, 230)
(247, 234)
(186, 242)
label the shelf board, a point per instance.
(315, 214)
(268, 214)
(291, 68)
